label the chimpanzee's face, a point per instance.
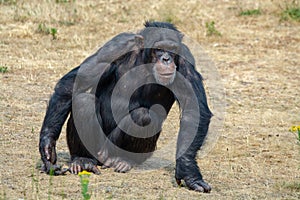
(164, 69)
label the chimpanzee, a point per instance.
(119, 97)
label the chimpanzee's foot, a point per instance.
(122, 166)
(118, 163)
(79, 164)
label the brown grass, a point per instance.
(258, 58)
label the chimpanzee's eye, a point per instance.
(159, 52)
(171, 54)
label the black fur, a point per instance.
(160, 25)
(60, 106)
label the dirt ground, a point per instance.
(257, 58)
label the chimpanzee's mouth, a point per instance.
(167, 74)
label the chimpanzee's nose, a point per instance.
(166, 58)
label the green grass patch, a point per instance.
(253, 12)
(3, 69)
(42, 28)
(292, 13)
(211, 29)
(294, 186)
(8, 2)
(64, 1)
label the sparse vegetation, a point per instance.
(64, 1)
(35, 183)
(53, 32)
(51, 174)
(292, 186)
(291, 12)
(211, 29)
(42, 28)
(3, 69)
(250, 12)
(8, 2)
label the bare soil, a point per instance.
(257, 57)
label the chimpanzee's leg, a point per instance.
(133, 141)
(84, 134)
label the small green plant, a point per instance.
(84, 180)
(42, 28)
(34, 182)
(8, 2)
(295, 129)
(53, 32)
(63, 1)
(250, 12)
(3, 196)
(211, 29)
(291, 11)
(51, 173)
(3, 69)
(294, 186)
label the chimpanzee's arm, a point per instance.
(57, 112)
(77, 81)
(193, 130)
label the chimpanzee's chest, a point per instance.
(150, 94)
(122, 101)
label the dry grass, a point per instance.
(258, 58)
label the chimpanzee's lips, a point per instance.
(167, 74)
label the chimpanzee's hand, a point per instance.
(48, 154)
(54, 169)
(188, 170)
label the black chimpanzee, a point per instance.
(118, 99)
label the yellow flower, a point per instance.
(295, 128)
(84, 172)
